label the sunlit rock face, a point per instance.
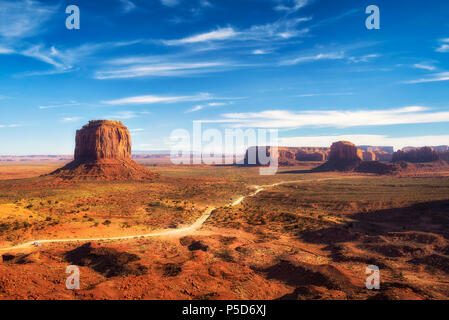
(103, 139)
(344, 151)
(103, 152)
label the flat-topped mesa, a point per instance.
(344, 151)
(343, 156)
(424, 154)
(287, 156)
(103, 139)
(103, 152)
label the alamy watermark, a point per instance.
(227, 147)
(373, 279)
(73, 280)
(373, 20)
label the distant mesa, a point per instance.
(103, 152)
(416, 155)
(287, 156)
(346, 156)
(343, 156)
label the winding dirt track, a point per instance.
(165, 232)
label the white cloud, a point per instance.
(443, 48)
(124, 115)
(317, 57)
(151, 99)
(127, 5)
(219, 34)
(205, 3)
(71, 103)
(196, 108)
(260, 51)
(71, 119)
(23, 18)
(202, 106)
(292, 6)
(280, 30)
(424, 66)
(159, 70)
(444, 76)
(4, 50)
(366, 139)
(170, 3)
(333, 118)
(325, 94)
(14, 125)
(364, 58)
(38, 53)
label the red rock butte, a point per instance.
(343, 156)
(103, 152)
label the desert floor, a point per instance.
(223, 232)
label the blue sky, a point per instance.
(307, 67)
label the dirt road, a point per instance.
(166, 232)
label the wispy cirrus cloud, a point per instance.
(124, 115)
(364, 58)
(160, 70)
(214, 35)
(325, 94)
(334, 118)
(62, 60)
(435, 77)
(170, 3)
(279, 30)
(13, 125)
(71, 119)
(128, 5)
(152, 99)
(204, 106)
(23, 18)
(311, 58)
(291, 6)
(444, 47)
(424, 66)
(69, 104)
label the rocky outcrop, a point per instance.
(383, 156)
(425, 154)
(287, 156)
(343, 156)
(344, 151)
(103, 139)
(312, 154)
(103, 152)
(369, 156)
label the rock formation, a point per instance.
(369, 156)
(343, 156)
(344, 151)
(425, 154)
(103, 152)
(287, 156)
(312, 154)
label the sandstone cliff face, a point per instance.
(288, 156)
(103, 139)
(343, 156)
(344, 151)
(369, 156)
(425, 154)
(103, 152)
